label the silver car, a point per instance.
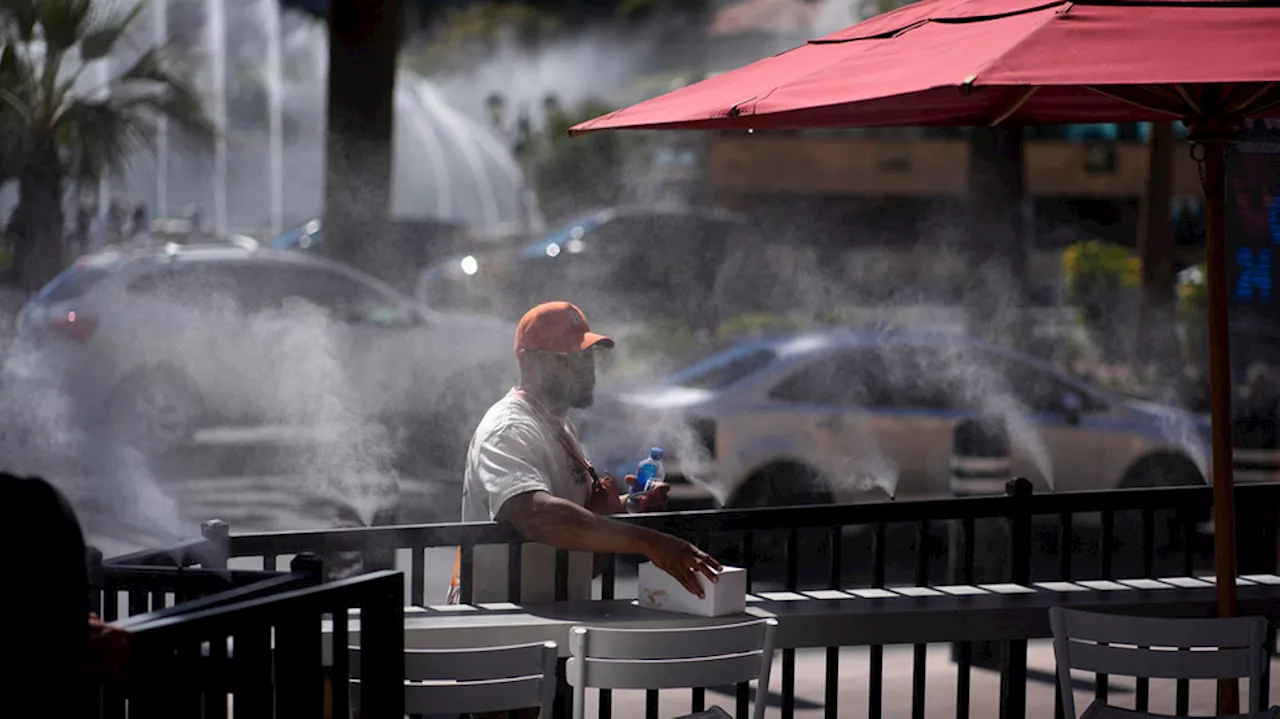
(156, 344)
(851, 416)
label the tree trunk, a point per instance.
(39, 242)
(997, 236)
(363, 43)
(1156, 329)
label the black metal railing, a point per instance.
(267, 654)
(150, 581)
(1063, 536)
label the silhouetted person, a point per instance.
(195, 216)
(82, 235)
(115, 223)
(140, 226)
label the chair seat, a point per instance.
(1101, 710)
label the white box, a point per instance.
(659, 590)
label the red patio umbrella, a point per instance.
(985, 62)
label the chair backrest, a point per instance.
(467, 681)
(671, 658)
(1228, 648)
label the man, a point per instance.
(526, 467)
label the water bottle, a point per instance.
(648, 473)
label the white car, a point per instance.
(850, 416)
(153, 344)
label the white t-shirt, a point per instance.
(514, 451)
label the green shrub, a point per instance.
(1102, 281)
(760, 323)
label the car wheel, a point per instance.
(783, 485)
(1159, 471)
(153, 412)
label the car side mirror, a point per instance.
(1072, 407)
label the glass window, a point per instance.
(725, 369)
(922, 378)
(273, 288)
(185, 283)
(854, 378)
(72, 283)
(1039, 390)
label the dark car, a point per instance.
(411, 245)
(630, 263)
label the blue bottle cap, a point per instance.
(655, 453)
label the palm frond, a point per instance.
(63, 22)
(100, 137)
(21, 16)
(16, 109)
(105, 31)
(151, 84)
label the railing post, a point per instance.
(218, 534)
(308, 564)
(382, 652)
(1013, 675)
(97, 578)
(981, 465)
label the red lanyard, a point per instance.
(569, 445)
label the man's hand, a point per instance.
(605, 499)
(654, 498)
(683, 561)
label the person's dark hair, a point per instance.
(45, 601)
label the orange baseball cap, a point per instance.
(558, 327)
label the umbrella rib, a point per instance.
(1186, 97)
(1247, 105)
(1265, 106)
(1136, 103)
(1014, 106)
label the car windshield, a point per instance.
(725, 369)
(72, 283)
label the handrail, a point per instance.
(713, 520)
(232, 617)
(305, 574)
(180, 555)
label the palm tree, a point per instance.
(55, 132)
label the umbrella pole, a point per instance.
(1224, 546)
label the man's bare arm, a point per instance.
(546, 519)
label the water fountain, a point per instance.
(275, 112)
(102, 86)
(833, 15)
(160, 36)
(216, 27)
(262, 75)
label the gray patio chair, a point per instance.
(1110, 644)
(473, 681)
(671, 659)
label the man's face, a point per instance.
(571, 378)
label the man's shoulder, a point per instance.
(509, 417)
